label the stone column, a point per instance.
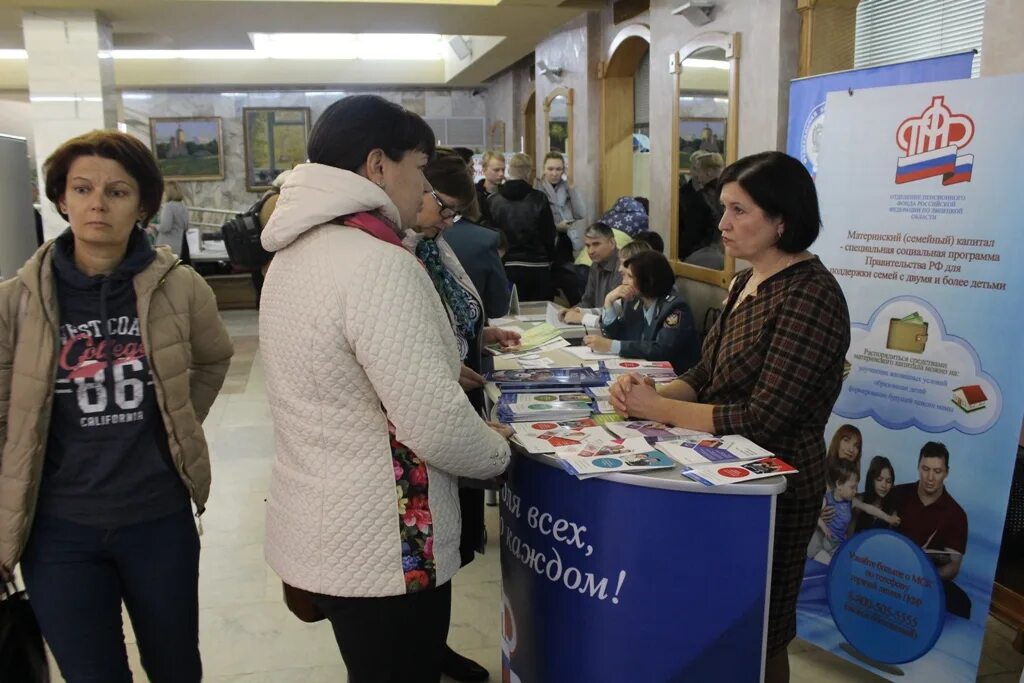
(70, 82)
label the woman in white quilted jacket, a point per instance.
(372, 427)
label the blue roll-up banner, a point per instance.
(914, 183)
(605, 581)
(807, 95)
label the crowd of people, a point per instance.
(387, 264)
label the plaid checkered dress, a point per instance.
(773, 366)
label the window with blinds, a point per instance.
(890, 31)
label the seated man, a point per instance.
(644, 317)
(603, 275)
(930, 517)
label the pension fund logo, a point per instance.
(932, 142)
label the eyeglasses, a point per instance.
(446, 211)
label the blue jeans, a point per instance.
(77, 577)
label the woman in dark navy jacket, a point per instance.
(645, 317)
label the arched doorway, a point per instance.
(629, 51)
(529, 141)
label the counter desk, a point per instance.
(632, 578)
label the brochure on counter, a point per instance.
(558, 436)
(717, 475)
(655, 431)
(543, 407)
(549, 378)
(651, 368)
(705, 449)
(531, 339)
(615, 455)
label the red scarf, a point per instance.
(374, 225)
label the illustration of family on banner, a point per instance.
(917, 184)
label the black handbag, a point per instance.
(22, 652)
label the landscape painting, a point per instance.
(275, 141)
(188, 148)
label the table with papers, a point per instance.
(679, 568)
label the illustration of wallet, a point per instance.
(907, 334)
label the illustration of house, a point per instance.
(970, 398)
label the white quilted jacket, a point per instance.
(349, 322)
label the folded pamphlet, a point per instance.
(618, 455)
(655, 431)
(553, 378)
(717, 475)
(705, 449)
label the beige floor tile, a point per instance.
(263, 636)
(311, 674)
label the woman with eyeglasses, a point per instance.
(453, 189)
(372, 427)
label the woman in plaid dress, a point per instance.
(772, 367)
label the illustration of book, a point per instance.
(970, 398)
(908, 334)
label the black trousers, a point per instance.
(533, 283)
(77, 577)
(396, 639)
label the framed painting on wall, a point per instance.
(275, 141)
(188, 147)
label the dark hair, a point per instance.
(841, 472)
(934, 449)
(652, 238)
(599, 229)
(554, 155)
(781, 186)
(878, 463)
(354, 126)
(652, 274)
(449, 174)
(134, 156)
(646, 203)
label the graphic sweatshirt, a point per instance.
(108, 462)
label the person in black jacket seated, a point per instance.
(524, 215)
(645, 317)
(699, 210)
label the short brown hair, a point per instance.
(652, 274)
(554, 155)
(449, 174)
(134, 156)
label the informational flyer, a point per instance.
(914, 184)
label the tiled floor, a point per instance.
(248, 636)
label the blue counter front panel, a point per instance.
(610, 583)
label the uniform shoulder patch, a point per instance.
(673, 319)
